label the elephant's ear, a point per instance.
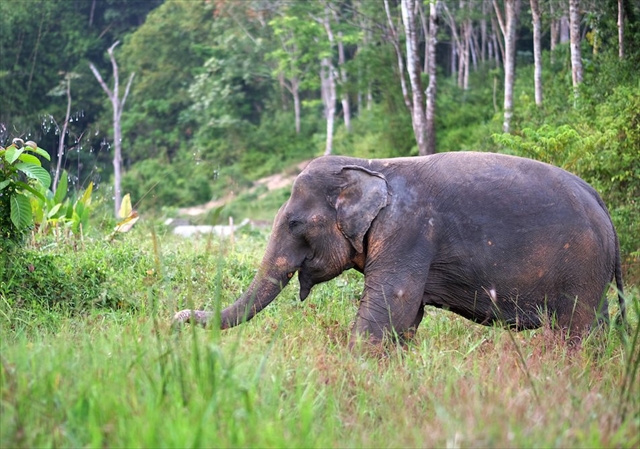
(362, 194)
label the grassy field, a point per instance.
(106, 370)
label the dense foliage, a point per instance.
(218, 83)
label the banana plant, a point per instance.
(55, 210)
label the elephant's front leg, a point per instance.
(391, 306)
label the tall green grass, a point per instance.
(120, 377)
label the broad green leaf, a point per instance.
(20, 211)
(30, 159)
(79, 208)
(54, 210)
(125, 207)
(69, 213)
(41, 152)
(61, 190)
(75, 223)
(37, 210)
(25, 186)
(12, 154)
(4, 183)
(35, 172)
(86, 196)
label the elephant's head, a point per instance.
(319, 232)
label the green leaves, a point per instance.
(29, 199)
(17, 161)
(58, 211)
(20, 211)
(35, 172)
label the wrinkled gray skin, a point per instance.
(493, 238)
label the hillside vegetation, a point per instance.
(88, 357)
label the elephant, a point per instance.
(495, 238)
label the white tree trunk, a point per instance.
(63, 134)
(297, 108)
(413, 68)
(621, 29)
(564, 29)
(508, 27)
(328, 77)
(483, 33)
(576, 54)
(117, 104)
(395, 41)
(430, 113)
(346, 106)
(328, 88)
(537, 51)
(466, 51)
(554, 30)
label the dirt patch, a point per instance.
(272, 182)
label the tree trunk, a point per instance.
(483, 33)
(537, 51)
(395, 41)
(466, 50)
(564, 29)
(576, 55)
(328, 89)
(554, 30)
(621, 29)
(508, 27)
(346, 107)
(63, 133)
(297, 108)
(430, 112)
(413, 68)
(117, 104)
(328, 83)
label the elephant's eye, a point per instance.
(294, 224)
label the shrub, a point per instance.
(21, 178)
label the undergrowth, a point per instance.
(99, 374)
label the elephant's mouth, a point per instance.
(309, 277)
(306, 283)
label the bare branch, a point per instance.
(100, 80)
(500, 19)
(126, 91)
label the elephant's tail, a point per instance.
(622, 318)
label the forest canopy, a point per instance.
(226, 91)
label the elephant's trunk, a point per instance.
(263, 289)
(273, 275)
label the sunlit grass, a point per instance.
(122, 378)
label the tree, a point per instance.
(296, 55)
(508, 27)
(165, 64)
(432, 72)
(64, 88)
(537, 51)
(414, 98)
(419, 119)
(328, 76)
(117, 103)
(576, 54)
(621, 29)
